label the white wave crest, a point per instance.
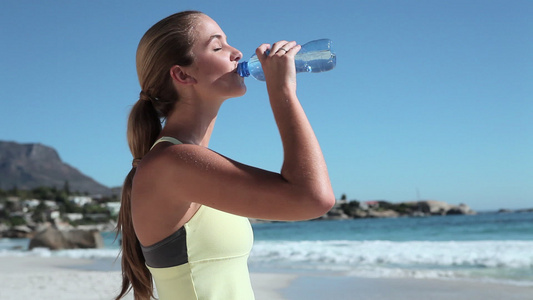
(72, 253)
(454, 254)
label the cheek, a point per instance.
(212, 70)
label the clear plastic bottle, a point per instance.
(315, 56)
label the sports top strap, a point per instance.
(167, 139)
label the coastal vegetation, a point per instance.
(23, 212)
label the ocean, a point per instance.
(495, 247)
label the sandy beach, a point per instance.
(66, 279)
(44, 278)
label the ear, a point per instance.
(179, 75)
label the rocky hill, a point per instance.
(27, 166)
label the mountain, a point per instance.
(28, 166)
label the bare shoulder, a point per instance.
(177, 159)
(182, 168)
(194, 174)
(167, 160)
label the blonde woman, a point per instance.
(184, 208)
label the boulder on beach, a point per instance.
(55, 239)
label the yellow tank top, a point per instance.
(206, 259)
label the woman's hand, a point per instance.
(278, 65)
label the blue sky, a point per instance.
(429, 99)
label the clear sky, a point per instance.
(429, 99)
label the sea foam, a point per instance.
(505, 260)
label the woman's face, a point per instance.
(215, 62)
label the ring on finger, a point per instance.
(284, 50)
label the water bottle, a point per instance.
(314, 57)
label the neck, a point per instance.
(191, 122)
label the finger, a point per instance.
(276, 48)
(286, 48)
(262, 50)
(294, 50)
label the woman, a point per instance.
(184, 209)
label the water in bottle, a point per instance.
(315, 56)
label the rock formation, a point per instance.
(27, 166)
(384, 209)
(55, 239)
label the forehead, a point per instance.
(206, 28)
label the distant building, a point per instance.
(113, 207)
(30, 203)
(80, 200)
(53, 215)
(74, 216)
(369, 204)
(50, 204)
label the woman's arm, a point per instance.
(302, 190)
(304, 166)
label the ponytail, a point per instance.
(144, 126)
(167, 43)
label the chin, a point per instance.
(231, 86)
(239, 90)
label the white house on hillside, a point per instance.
(80, 200)
(113, 208)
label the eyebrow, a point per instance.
(215, 36)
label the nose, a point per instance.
(236, 55)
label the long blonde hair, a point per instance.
(165, 44)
